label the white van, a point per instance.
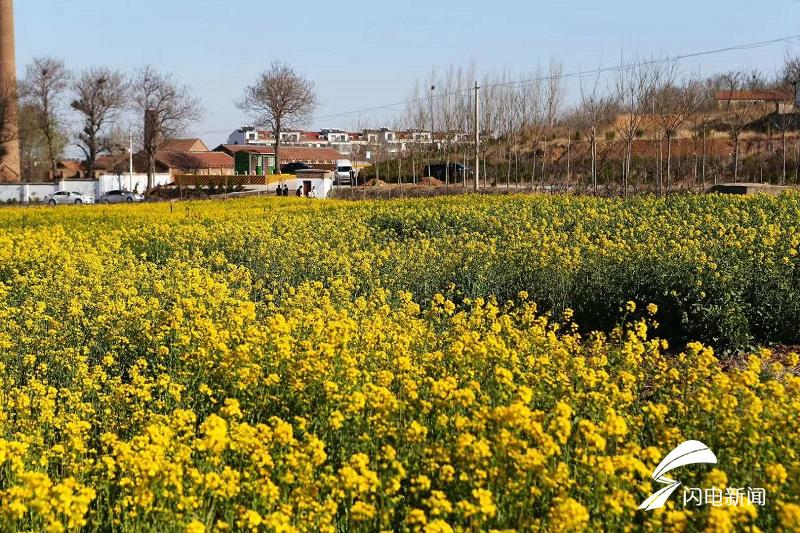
(344, 172)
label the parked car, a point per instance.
(292, 168)
(121, 196)
(453, 172)
(68, 197)
(344, 174)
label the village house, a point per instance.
(769, 101)
(355, 145)
(258, 160)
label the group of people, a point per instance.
(283, 190)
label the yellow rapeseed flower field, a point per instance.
(458, 364)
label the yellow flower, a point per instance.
(195, 526)
(361, 511)
(566, 514)
(789, 514)
(215, 432)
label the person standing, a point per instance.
(285, 190)
(278, 190)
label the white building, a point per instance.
(361, 145)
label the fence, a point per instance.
(197, 180)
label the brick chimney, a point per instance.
(9, 151)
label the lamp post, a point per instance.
(130, 158)
(430, 159)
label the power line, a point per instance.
(415, 103)
(579, 74)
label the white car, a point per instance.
(344, 173)
(68, 197)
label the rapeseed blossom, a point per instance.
(406, 366)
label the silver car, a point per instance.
(68, 197)
(121, 196)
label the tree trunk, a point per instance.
(447, 170)
(593, 141)
(508, 172)
(544, 161)
(151, 168)
(669, 162)
(277, 145)
(90, 164)
(569, 156)
(703, 166)
(464, 164)
(400, 174)
(783, 153)
(626, 174)
(659, 167)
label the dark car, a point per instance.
(451, 172)
(292, 168)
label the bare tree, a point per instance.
(787, 77)
(166, 109)
(416, 121)
(673, 104)
(46, 79)
(554, 97)
(280, 98)
(790, 72)
(783, 122)
(737, 113)
(594, 112)
(632, 90)
(100, 94)
(699, 131)
(489, 120)
(529, 113)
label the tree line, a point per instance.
(52, 99)
(87, 109)
(618, 135)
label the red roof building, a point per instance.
(183, 145)
(288, 154)
(768, 100)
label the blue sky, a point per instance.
(367, 53)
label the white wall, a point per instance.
(25, 192)
(323, 186)
(109, 182)
(10, 192)
(237, 137)
(31, 192)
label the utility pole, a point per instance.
(477, 126)
(430, 160)
(130, 159)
